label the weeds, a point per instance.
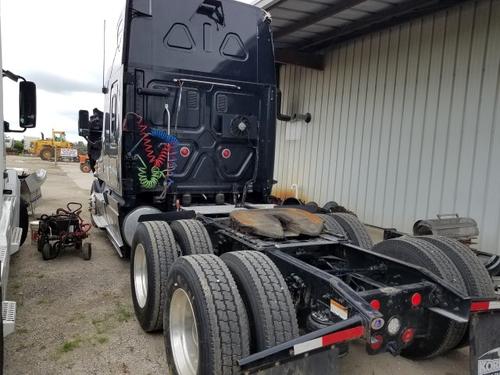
(70, 345)
(123, 313)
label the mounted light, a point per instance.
(416, 299)
(377, 323)
(408, 335)
(393, 326)
(185, 152)
(375, 303)
(226, 153)
(376, 342)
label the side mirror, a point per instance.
(27, 104)
(83, 123)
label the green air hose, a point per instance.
(149, 182)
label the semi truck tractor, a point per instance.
(184, 174)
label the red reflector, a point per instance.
(345, 335)
(185, 152)
(480, 306)
(226, 153)
(332, 338)
(407, 335)
(375, 303)
(376, 342)
(416, 299)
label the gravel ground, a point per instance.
(76, 317)
(73, 316)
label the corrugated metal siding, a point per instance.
(406, 123)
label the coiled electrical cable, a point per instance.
(165, 159)
(164, 136)
(152, 181)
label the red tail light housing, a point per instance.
(376, 342)
(408, 335)
(185, 152)
(416, 299)
(226, 153)
(375, 303)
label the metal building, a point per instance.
(405, 108)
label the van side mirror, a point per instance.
(27, 104)
(83, 123)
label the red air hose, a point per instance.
(163, 156)
(165, 153)
(148, 143)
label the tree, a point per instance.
(18, 147)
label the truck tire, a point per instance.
(443, 333)
(270, 308)
(203, 306)
(153, 252)
(24, 220)
(47, 153)
(332, 225)
(330, 205)
(192, 237)
(476, 277)
(355, 229)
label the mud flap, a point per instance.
(485, 343)
(323, 362)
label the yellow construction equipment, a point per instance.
(45, 148)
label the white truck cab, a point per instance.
(13, 228)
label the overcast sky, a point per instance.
(57, 44)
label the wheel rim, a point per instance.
(140, 275)
(183, 334)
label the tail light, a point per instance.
(416, 299)
(376, 342)
(375, 303)
(408, 335)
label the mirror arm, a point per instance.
(12, 76)
(7, 129)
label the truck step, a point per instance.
(9, 317)
(15, 242)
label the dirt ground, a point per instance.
(76, 317)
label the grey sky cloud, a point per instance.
(62, 52)
(60, 85)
